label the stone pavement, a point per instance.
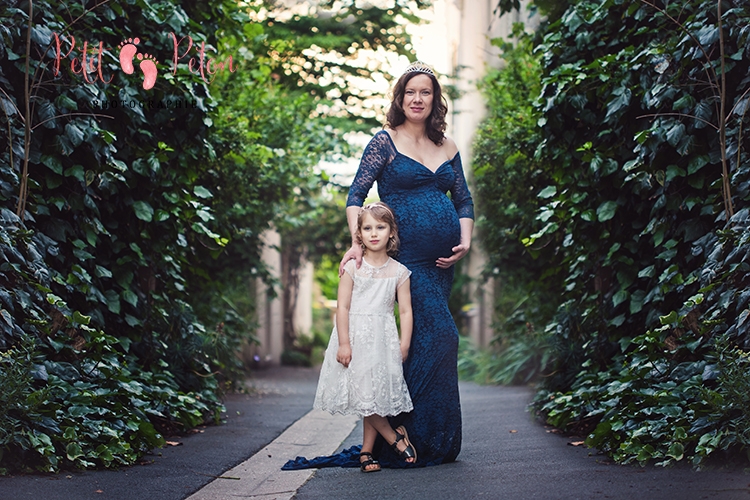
(506, 454)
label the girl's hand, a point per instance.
(344, 355)
(459, 252)
(404, 352)
(355, 252)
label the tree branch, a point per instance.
(72, 114)
(23, 188)
(683, 115)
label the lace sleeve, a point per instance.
(460, 194)
(377, 154)
(403, 275)
(350, 268)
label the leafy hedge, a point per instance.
(507, 170)
(94, 269)
(72, 393)
(642, 179)
(129, 231)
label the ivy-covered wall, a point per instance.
(138, 166)
(632, 209)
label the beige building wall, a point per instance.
(269, 310)
(303, 317)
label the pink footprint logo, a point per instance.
(127, 51)
(148, 67)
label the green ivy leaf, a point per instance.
(74, 134)
(129, 297)
(53, 163)
(669, 319)
(143, 211)
(102, 272)
(647, 272)
(675, 134)
(696, 163)
(73, 451)
(46, 112)
(202, 192)
(199, 227)
(547, 192)
(113, 301)
(606, 211)
(80, 319)
(674, 171)
(620, 297)
(63, 101)
(76, 171)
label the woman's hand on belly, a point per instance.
(459, 251)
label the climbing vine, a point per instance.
(139, 165)
(640, 182)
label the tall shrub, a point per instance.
(644, 108)
(643, 207)
(507, 171)
(131, 204)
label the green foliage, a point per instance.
(506, 170)
(73, 395)
(316, 50)
(633, 204)
(327, 276)
(520, 359)
(125, 272)
(661, 404)
(139, 224)
(641, 177)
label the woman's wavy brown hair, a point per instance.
(435, 122)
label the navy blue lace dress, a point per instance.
(428, 222)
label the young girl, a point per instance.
(362, 370)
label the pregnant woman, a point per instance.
(415, 166)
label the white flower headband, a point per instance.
(419, 67)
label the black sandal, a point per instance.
(410, 451)
(363, 466)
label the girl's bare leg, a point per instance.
(381, 425)
(368, 440)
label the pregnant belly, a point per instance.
(428, 227)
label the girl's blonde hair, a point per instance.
(381, 213)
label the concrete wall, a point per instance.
(270, 331)
(270, 311)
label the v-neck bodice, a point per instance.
(427, 218)
(393, 144)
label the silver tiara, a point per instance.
(419, 67)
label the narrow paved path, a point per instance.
(505, 455)
(279, 397)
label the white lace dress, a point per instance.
(374, 381)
